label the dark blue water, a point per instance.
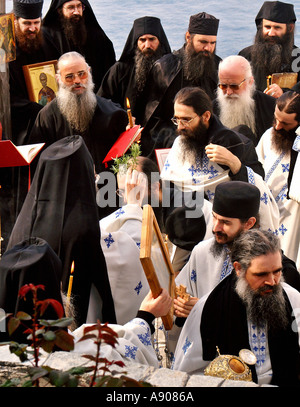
(236, 30)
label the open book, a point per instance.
(15, 156)
(124, 141)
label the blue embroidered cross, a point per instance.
(145, 339)
(186, 345)
(119, 212)
(167, 165)
(109, 240)
(282, 229)
(285, 167)
(194, 276)
(194, 170)
(264, 198)
(130, 351)
(138, 288)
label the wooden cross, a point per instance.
(181, 292)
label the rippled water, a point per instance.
(236, 29)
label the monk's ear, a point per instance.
(250, 223)
(188, 37)
(206, 116)
(237, 266)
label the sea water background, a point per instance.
(236, 29)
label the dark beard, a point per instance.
(196, 65)
(193, 141)
(74, 29)
(269, 57)
(283, 140)
(217, 249)
(27, 45)
(268, 309)
(143, 63)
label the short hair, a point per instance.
(69, 55)
(289, 102)
(251, 244)
(149, 167)
(237, 59)
(196, 98)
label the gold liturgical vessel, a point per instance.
(232, 367)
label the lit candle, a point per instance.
(268, 81)
(129, 113)
(70, 282)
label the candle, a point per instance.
(70, 282)
(268, 81)
(129, 113)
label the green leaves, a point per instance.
(127, 160)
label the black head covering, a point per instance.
(52, 16)
(236, 199)
(142, 26)
(60, 207)
(203, 23)
(31, 261)
(28, 9)
(185, 232)
(276, 11)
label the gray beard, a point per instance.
(263, 310)
(237, 110)
(77, 109)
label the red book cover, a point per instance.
(124, 141)
(15, 156)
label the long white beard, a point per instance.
(77, 109)
(237, 109)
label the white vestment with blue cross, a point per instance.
(120, 242)
(277, 168)
(188, 354)
(193, 175)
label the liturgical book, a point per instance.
(15, 156)
(124, 141)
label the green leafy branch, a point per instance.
(121, 164)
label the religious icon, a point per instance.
(155, 260)
(7, 38)
(41, 82)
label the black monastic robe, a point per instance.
(61, 208)
(98, 49)
(165, 80)
(119, 82)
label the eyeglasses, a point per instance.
(184, 122)
(70, 77)
(232, 86)
(72, 8)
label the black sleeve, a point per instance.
(148, 317)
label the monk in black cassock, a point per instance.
(146, 43)
(76, 110)
(195, 64)
(272, 51)
(30, 261)
(60, 208)
(77, 29)
(32, 47)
